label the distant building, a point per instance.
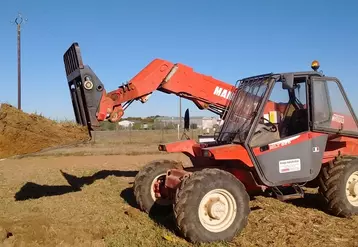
(210, 122)
(125, 124)
(199, 122)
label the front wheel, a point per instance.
(339, 186)
(149, 188)
(211, 205)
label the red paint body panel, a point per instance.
(169, 78)
(341, 144)
(187, 146)
(198, 87)
(230, 152)
(246, 178)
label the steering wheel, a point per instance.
(273, 126)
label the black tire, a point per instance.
(142, 186)
(189, 196)
(332, 186)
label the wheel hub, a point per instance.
(217, 210)
(158, 192)
(352, 189)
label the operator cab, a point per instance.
(285, 113)
(286, 119)
(288, 110)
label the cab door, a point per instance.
(295, 155)
(293, 159)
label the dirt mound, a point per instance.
(23, 133)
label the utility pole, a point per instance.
(18, 21)
(180, 125)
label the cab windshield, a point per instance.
(243, 109)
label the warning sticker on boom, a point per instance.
(292, 165)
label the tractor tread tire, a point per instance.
(187, 201)
(143, 180)
(332, 186)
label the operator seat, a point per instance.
(298, 122)
(264, 135)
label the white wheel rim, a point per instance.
(217, 210)
(160, 201)
(352, 189)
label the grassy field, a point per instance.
(61, 199)
(142, 136)
(121, 142)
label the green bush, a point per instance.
(105, 125)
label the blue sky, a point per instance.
(225, 39)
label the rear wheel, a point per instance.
(211, 205)
(339, 186)
(149, 190)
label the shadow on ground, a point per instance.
(35, 191)
(162, 217)
(311, 200)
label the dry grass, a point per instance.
(92, 149)
(141, 136)
(23, 133)
(88, 201)
(122, 142)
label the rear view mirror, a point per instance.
(186, 120)
(287, 81)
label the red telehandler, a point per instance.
(281, 132)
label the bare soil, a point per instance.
(23, 133)
(88, 201)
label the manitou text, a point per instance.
(224, 93)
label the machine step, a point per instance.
(288, 193)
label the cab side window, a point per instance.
(330, 109)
